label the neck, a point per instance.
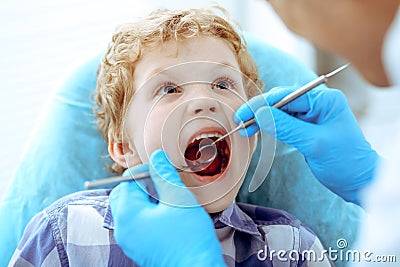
(371, 67)
(367, 56)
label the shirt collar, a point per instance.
(233, 217)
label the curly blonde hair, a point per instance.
(115, 76)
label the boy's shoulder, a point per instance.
(92, 203)
(74, 229)
(90, 197)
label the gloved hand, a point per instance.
(176, 231)
(322, 127)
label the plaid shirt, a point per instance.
(77, 230)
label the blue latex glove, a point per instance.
(322, 127)
(176, 231)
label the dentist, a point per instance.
(366, 33)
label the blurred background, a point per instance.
(43, 41)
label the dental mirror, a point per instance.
(204, 156)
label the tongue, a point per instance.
(213, 168)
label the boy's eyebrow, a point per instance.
(158, 70)
(228, 65)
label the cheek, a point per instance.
(151, 137)
(241, 153)
(141, 127)
(231, 101)
(155, 132)
(160, 130)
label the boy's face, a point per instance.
(187, 91)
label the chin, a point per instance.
(221, 204)
(220, 194)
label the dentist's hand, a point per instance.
(322, 127)
(176, 231)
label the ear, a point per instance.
(122, 153)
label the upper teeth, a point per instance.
(201, 136)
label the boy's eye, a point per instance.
(222, 85)
(168, 89)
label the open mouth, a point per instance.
(217, 167)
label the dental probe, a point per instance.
(287, 99)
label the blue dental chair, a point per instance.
(67, 149)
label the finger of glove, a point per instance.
(136, 169)
(249, 130)
(126, 199)
(327, 104)
(132, 189)
(168, 183)
(246, 111)
(286, 128)
(145, 184)
(300, 104)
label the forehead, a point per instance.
(171, 53)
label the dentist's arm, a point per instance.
(176, 231)
(322, 127)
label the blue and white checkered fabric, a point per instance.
(77, 230)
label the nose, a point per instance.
(202, 102)
(202, 105)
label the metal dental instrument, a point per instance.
(199, 161)
(287, 99)
(141, 175)
(198, 164)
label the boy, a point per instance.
(168, 82)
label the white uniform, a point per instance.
(379, 238)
